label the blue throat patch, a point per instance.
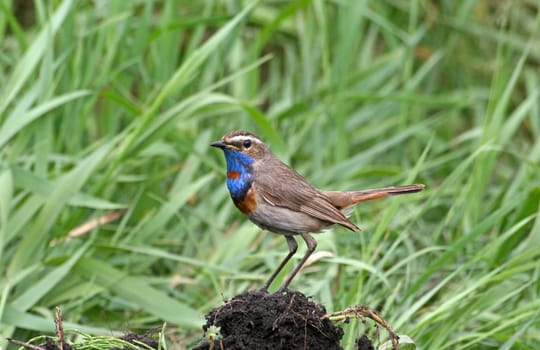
(239, 177)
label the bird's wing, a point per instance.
(284, 187)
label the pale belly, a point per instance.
(285, 221)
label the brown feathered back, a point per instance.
(275, 187)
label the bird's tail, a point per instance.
(343, 200)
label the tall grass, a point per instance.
(107, 109)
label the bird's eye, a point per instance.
(247, 144)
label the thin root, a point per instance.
(364, 311)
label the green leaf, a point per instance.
(29, 181)
(30, 248)
(16, 122)
(33, 294)
(29, 61)
(137, 291)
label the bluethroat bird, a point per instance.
(278, 199)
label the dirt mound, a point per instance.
(258, 320)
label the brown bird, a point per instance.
(278, 199)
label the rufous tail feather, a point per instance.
(342, 200)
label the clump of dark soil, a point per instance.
(258, 320)
(50, 344)
(364, 343)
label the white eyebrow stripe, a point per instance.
(244, 137)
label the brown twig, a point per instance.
(26, 345)
(59, 328)
(90, 225)
(364, 311)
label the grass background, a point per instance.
(108, 107)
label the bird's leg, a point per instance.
(311, 245)
(293, 246)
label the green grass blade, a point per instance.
(35, 52)
(31, 247)
(137, 291)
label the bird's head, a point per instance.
(243, 146)
(241, 149)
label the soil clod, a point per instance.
(258, 320)
(364, 343)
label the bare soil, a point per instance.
(258, 320)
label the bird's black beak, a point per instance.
(219, 144)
